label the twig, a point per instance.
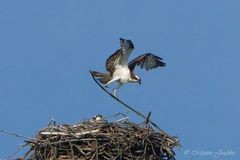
(117, 114)
(64, 133)
(19, 148)
(15, 134)
(122, 119)
(148, 117)
(71, 147)
(134, 110)
(26, 154)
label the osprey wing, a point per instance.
(126, 48)
(146, 61)
(120, 57)
(113, 61)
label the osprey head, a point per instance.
(97, 118)
(138, 80)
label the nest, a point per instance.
(99, 139)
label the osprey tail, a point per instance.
(103, 77)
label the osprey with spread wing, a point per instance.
(123, 72)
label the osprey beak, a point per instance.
(139, 81)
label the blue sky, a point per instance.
(48, 47)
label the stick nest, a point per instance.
(102, 140)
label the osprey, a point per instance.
(97, 118)
(121, 71)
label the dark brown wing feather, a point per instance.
(120, 57)
(146, 61)
(112, 61)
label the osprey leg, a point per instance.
(112, 80)
(116, 88)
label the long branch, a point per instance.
(132, 109)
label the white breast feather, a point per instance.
(123, 73)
